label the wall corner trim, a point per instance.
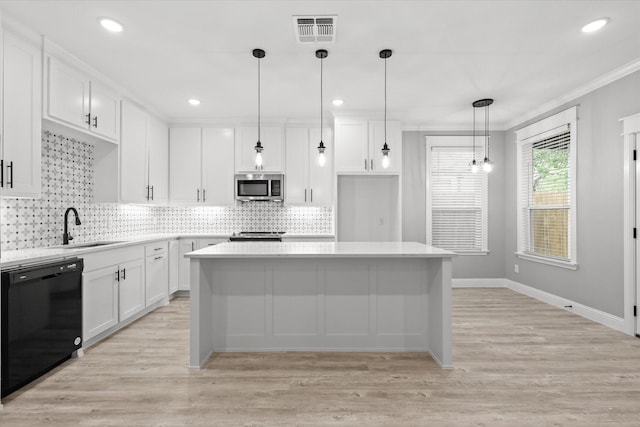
(598, 316)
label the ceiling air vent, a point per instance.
(312, 29)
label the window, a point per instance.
(456, 197)
(546, 190)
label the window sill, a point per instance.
(473, 253)
(556, 263)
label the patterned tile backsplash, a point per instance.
(67, 180)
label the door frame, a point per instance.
(631, 140)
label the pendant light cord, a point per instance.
(321, 104)
(486, 128)
(474, 134)
(385, 100)
(258, 99)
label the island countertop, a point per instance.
(320, 250)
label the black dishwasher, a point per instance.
(41, 320)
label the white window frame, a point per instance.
(456, 141)
(535, 132)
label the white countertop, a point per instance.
(320, 250)
(36, 255)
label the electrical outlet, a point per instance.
(515, 268)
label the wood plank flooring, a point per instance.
(517, 362)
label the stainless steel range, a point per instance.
(257, 236)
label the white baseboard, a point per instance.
(478, 283)
(598, 316)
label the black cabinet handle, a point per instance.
(10, 167)
(95, 121)
(312, 194)
(365, 164)
(203, 194)
(192, 246)
(158, 257)
(118, 276)
(88, 119)
(124, 274)
(371, 164)
(198, 195)
(147, 187)
(1, 173)
(152, 192)
(305, 194)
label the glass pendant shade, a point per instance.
(475, 167)
(385, 156)
(322, 159)
(259, 160)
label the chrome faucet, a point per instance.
(66, 237)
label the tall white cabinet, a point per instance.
(144, 157)
(20, 146)
(307, 183)
(201, 166)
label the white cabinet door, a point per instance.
(351, 146)
(133, 155)
(68, 94)
(271, 139)
(174, 265)
(320, 177)
(184, 165)
(394, 142)
(21, 118)
(186, 245)
(297, 171)
(217, 166)
(105, 109)
(99, 301)
(131, 288)
(158, 161)
(157, 278)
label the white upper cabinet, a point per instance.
(358, 146)
(20, 147)
(184, 165)
(74, 99)
(307, 182)
(217, 166)
(201, 166)
(144, 157)
(158, 161)
(133, 155)
(272, 142)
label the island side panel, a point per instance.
(440, 332)
(201, 319)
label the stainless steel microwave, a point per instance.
(259, 187)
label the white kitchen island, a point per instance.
(320, 296)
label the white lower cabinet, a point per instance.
(157, 269)
(99, 301)
(174, 265)
(113, 288)
(131, 287)
(189, 245)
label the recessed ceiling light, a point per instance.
(110, 24)
(595, 25)
(337, 102)
(194, 102)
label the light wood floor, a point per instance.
(517, 362)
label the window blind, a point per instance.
(546, 203)
(456, 200)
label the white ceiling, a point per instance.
(446, 54)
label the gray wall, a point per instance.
(598, 281)
(414, 204)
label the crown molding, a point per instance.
(597, 83)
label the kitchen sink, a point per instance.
(85, 245)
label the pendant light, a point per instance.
(385, 54)
(258, 54)
(487, 164)
(321, 54)
(475, 167)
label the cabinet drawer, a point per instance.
(100, 259)
(156, 248)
